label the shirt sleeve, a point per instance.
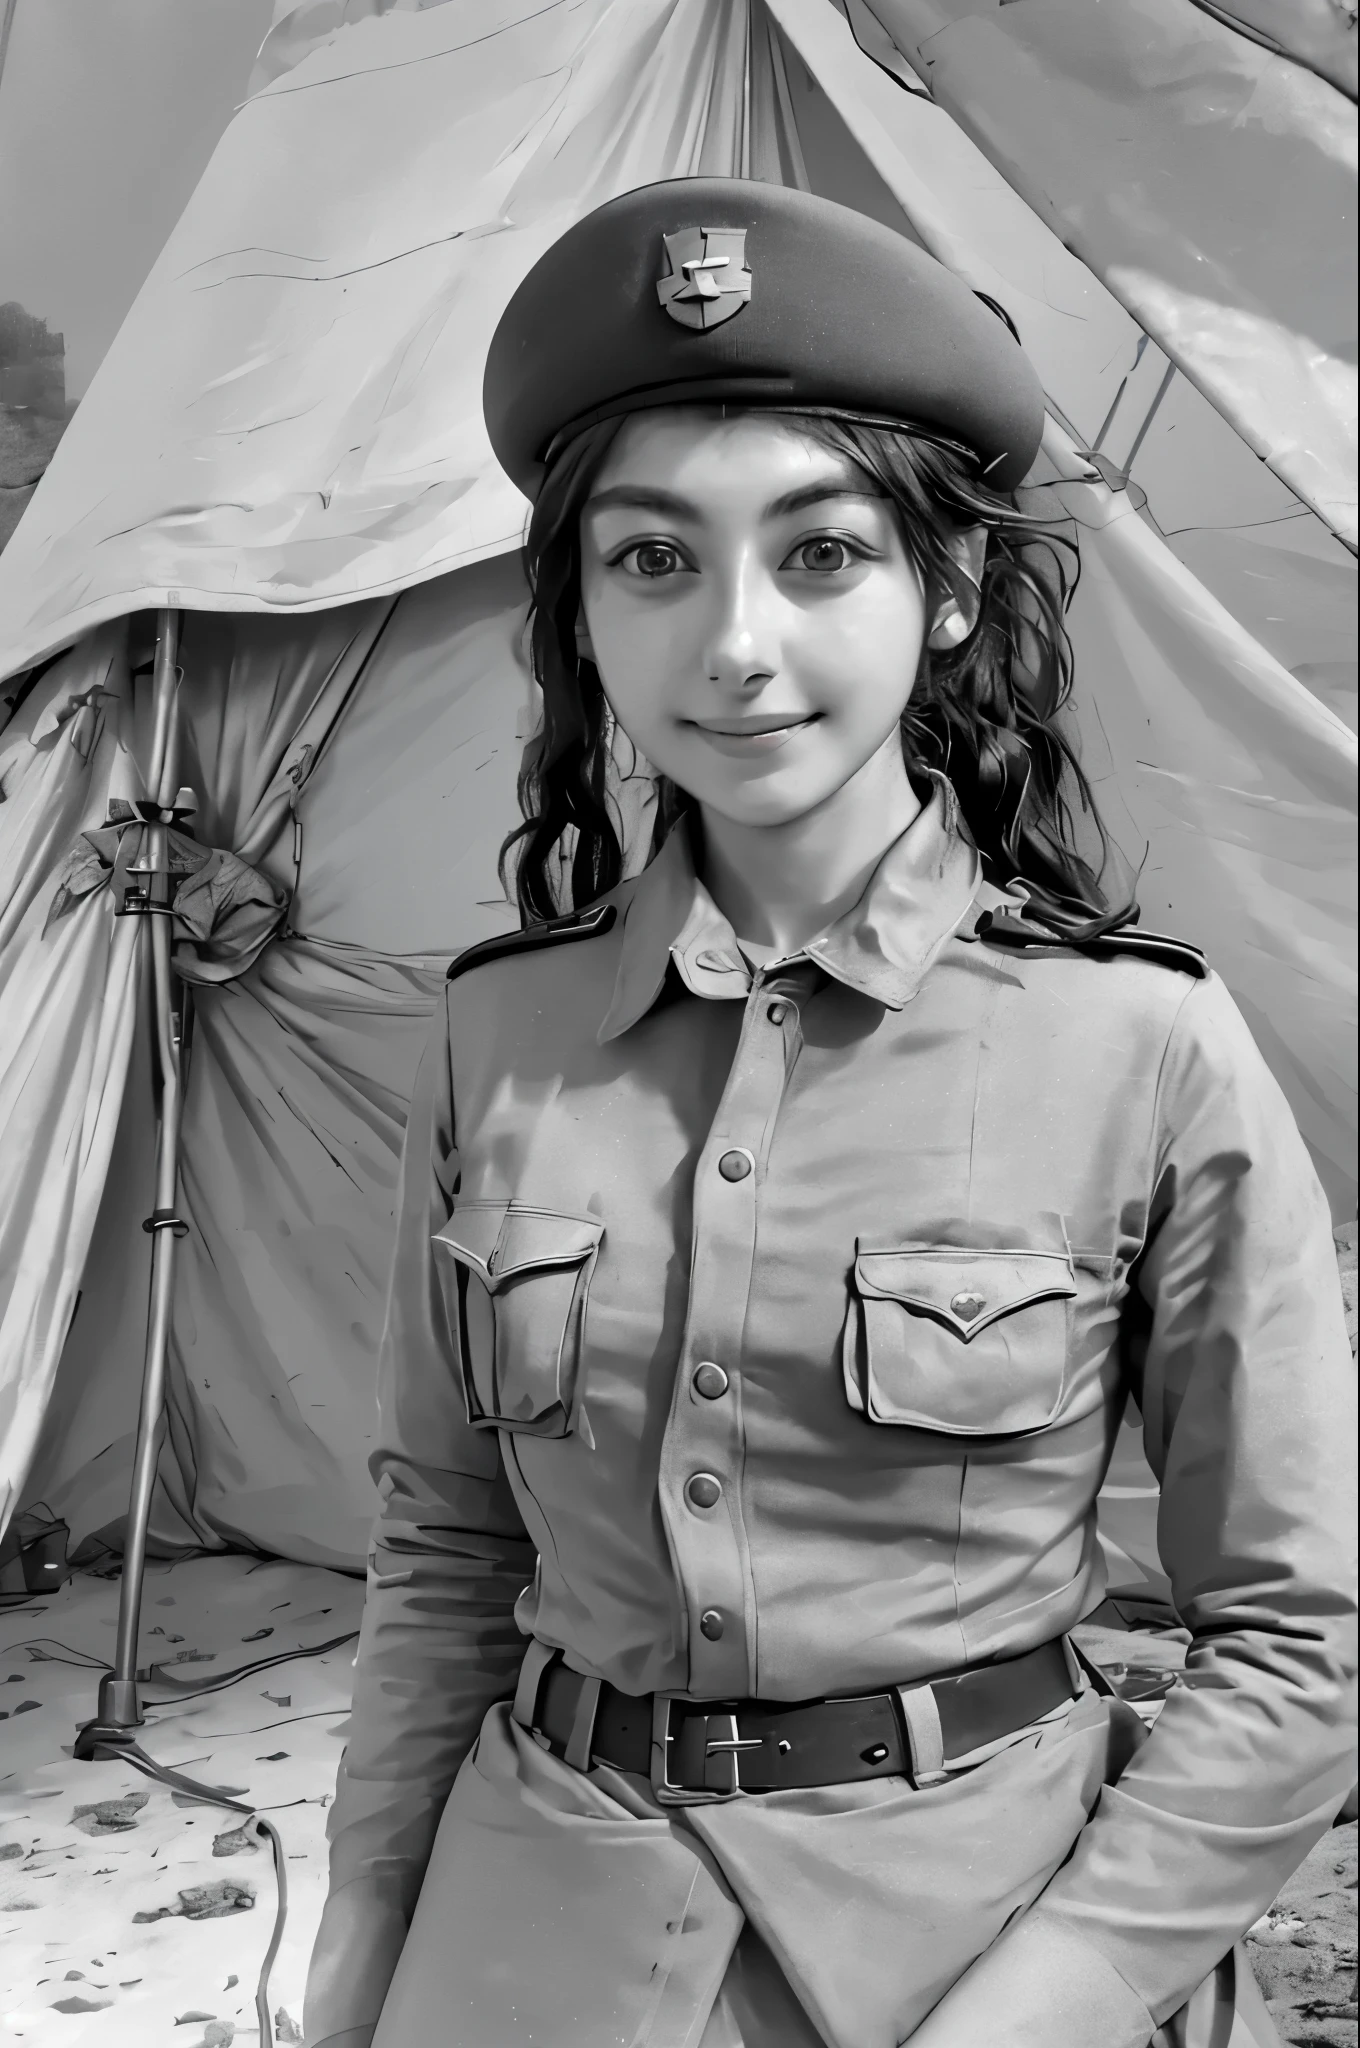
(448, 1558)
(1238, 1357)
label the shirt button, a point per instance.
(703, 1490)
(734, 1165)
(967, 1305)
(777, 1012)
(711, 1624)
(711, 1381)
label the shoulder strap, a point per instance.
(557, 931)
(1126, 940)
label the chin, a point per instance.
(758, 806)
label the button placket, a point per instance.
(704, 1441)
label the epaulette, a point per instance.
(555, 931)
(1125, 940)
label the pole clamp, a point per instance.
(165, 1219)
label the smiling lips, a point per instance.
(742, 737)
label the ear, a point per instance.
(585, 646)
(953, 622)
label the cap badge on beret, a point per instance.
(708, 280)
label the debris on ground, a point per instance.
(204, 1902)
(110, 1816)
(1346, 1259)
(1303, 1950)
(234, 1842)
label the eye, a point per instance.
(824, 555)
(651, 558)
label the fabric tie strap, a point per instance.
(224, 911)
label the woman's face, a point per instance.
(751, 606)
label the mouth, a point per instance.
(755, 735)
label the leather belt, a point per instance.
(696, 1750)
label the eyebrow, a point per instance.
(647, 498)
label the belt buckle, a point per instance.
(725, 1749)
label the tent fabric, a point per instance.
(1224, 514)
(290, 415)
(67, 1014)
(1183, 163)
(360, 750)
(1100, 370)
(68, 985)
(223, 914)
(1225, 777)
(299, 1075)
(554, 109)
(300, 1068)
(1240, 786)
(1317, 33)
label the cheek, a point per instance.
(635, 662)
(862, 658)
(642, 650)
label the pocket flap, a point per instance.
(966, 1291)
(501, 1239)
(540, 1237)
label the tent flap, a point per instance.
(1184, 163)
(67, 1011)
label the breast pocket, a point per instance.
(515, 1283)
(972, 1343)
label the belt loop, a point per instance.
(537, 1658)
(925, 1736)
(577, 1751)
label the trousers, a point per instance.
(566, 1909)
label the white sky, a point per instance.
(109, 111)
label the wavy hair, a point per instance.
(984, 713)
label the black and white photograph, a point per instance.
(678, 714)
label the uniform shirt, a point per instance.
(765, 1332)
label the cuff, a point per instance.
(1038, 1986)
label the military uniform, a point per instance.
(759, 1333)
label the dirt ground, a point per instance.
(131, 1916)
(1303, 1951)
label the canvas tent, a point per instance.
(285, 445)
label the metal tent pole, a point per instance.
(119, 1705)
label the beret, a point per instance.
(706, 290)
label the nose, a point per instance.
(744, 639)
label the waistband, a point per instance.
(695, 1751)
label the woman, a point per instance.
(782, 1233)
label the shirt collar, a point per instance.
(912, 903)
